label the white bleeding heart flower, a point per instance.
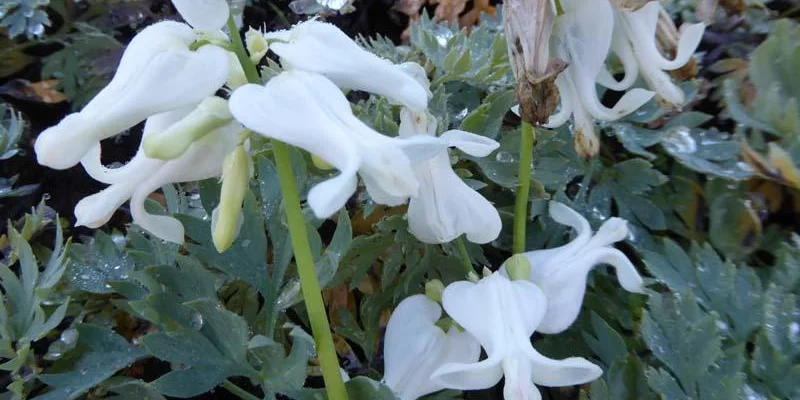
(446, 207)
(561, 272)
(502, 315)
(307, 110)
(157, 73)
(414, 347)
(582, 37)
(323, 48)
(143, 176)
(636, 46)
(204, 15)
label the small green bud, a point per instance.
(235, 179)
(518, 267)
(473, 277)
(445, 323)
(434, 289)
(486, 272)
(320, 163)
(211, 114)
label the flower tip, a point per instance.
(204, 15)
(58, 147)
(613, 230)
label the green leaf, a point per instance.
(287, 375)
(133, 390)
(626, 379)
(363, 388)
(96, 263)
(104, 354)
(246, 258)
(606, 342)
(683, 337)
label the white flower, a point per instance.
(582, 37)
(502, 315)
(322, 48)
(157, 73)
(204, 15)
(561, 272)
(637, 48)
(446, 207)
(307, 110)
(143, 175)
(414, 347)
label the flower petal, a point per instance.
(415, 347)
(518, 384)
(205, 15)
(157, 123)
(157, 61)
(286, 109)
(622, 48)
(470, 143)
(323, 48)
(95, 210)
(447, 207)
(203, 160)
(567, 372)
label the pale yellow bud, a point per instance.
(257, 45)
(518, 267)
(235, 178)
(210, 115)
(434, 290)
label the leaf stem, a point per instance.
(462, 249)
(312, 293)
(523, 187)
(237, 391)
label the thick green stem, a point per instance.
(312, 293)
(462, 249)
(237, 391)
(523, 187)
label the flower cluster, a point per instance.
(584, 36)
(193, 133)
(540, 291)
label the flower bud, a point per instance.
(518, 267)
(257, 45)
(169, 144)
(434, 290)
(226, 218)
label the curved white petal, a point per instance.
(547, 261)
(287, 110)
(203, 160)
(308, 111)
(322, 48)
(95, 210)
(691, 35)
(567, 372)
(157, 73)
(611, 231)
(565, 288)
(470, 143)
(140, 163)
(642, 25)
(622, 48)
(414, 347)
(205, 15)
(447, 207)
(661, 83)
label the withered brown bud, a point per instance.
(528, 26)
